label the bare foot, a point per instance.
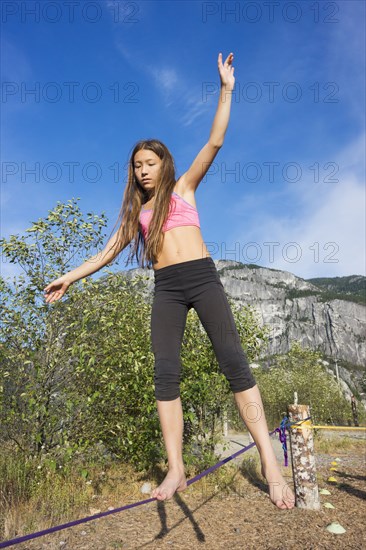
(279, 492)
(175, 480)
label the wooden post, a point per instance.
(303, 459)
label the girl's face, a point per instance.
(146, 166)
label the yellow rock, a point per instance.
(332, 479)
(334, 469)
(334, 463)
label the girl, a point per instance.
(159, 214)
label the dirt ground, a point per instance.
(239, 516)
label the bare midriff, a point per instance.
(181, 244)
(184, 243)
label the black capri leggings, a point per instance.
(179, 287)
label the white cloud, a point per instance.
(345, 57)
(166, 81)
(178, 92)
(327, 224)
(167, 78)
(16, 66)
(17, 73)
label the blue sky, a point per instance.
(286, 189)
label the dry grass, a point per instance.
(57, 498)
(43, 498)
(330, 445)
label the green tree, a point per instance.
(35, 368)
(80, 372)
(300, 370)
(113, 370)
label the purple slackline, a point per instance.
(18, 540)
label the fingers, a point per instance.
(49, 287)
(52, 295)
(48, 290)
(55, 290)
(228, 60)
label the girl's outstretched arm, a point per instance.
(191, 179)
(57, 288)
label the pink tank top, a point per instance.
(181, 213)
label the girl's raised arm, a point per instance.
(191, 179)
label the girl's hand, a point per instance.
(57, 289)
(226, 71)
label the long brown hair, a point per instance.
(129, 231)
